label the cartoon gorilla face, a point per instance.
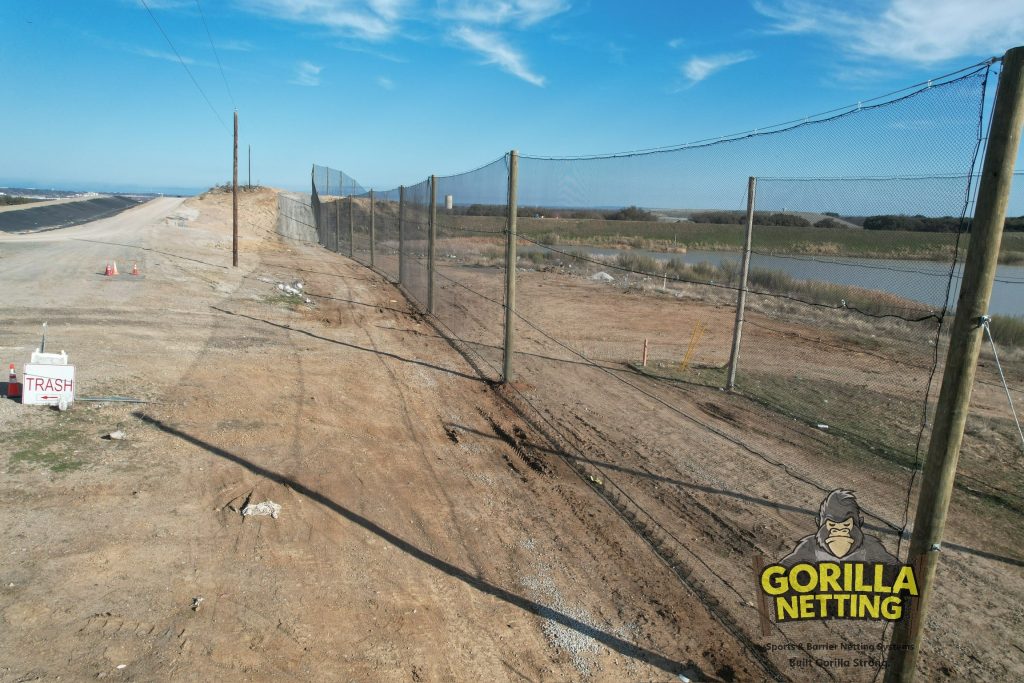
(840, 536)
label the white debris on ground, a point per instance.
(267, 507)
(562, 637)
(602, 276)
(295, 288)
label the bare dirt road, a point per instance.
(419, 539)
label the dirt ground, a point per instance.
(424, 533)
(717, 478)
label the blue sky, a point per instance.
(394, 90)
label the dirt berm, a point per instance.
(417, 539)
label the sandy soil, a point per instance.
(715, 479)
(422, 537)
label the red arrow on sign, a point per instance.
(48, 397)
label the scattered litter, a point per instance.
(116, 435)
(122, 666)
(196, 601)
(602, 276)
(267, 507)
(295, 288)
(823, 427)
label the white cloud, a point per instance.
(915, 31)
(385, 83)
(676, 43)
(496, 12)
(699, 68)
(367, 19)
(234, 45)
(157, 54)
(496, 51)
(307, 74)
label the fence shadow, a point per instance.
(610, 641)
(356, 347)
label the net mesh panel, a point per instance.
(836, 359)
(633, 255)
(469, 285)
(386, 243)
(415, 241)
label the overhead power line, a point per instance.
(220, 66)
(185, 66)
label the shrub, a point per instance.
(631, 213)
(1007, 330)
(637, 262)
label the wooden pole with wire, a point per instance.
(401, 233)
(234, 199)
(965, 341)
(510, 266)
(372, 229)
(431, 246)
(741, 295)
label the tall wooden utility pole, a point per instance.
(431, 226)
(510, 265)
(965, 342)
(373, 229)
(741, 295)
(250, 167)
(234, 199)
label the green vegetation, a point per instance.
(930, 224)
(10, 200)
(1008, 330)
(52, 448)
(830, 223)
(760, 218)
(668, 236)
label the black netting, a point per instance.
(628, 274)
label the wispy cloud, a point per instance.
(235, 45)
(385, 83)
(914, 31)
(158, 54)
(676, 43)
(307, 74)
(497, 12)
(699, 68)
(497, 51)
(367, 19)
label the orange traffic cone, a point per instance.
(13, 385)
(115, 269)
(108, 271)
(135, 268)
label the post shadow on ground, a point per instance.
(356, 347)
(747, 498)
(612, 642)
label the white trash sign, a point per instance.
(48, 385)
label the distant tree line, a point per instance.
(6, 200)
(629, 213)
(634, 213)
(760, 218)
(930, 224)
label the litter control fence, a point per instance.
(617, 331)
